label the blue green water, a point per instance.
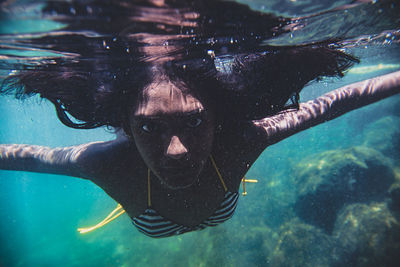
(41, 213)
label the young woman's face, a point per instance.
(173, 130)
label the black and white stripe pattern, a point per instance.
(152, 224)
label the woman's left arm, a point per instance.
(273, 129)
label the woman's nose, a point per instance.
(176, 149)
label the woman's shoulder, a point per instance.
(240, 138)
(102, 159)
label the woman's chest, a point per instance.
(215, 190)
(130, 186)
(189, 208)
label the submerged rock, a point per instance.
(394, 193)
(302, 245)
(369, 236)
(329, 180)
(384, 136)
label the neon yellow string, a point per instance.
(148, 189)
(112, 216)
(218, 173)
(108, 219)
(250, 180)
(244, 181)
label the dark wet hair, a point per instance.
(98, 87)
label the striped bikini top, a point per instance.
(153, 224)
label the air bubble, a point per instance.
(89, 10)
(13, 72)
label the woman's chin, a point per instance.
(179, 181)
(176, 186)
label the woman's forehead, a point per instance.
(164, 97)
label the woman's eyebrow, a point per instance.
(194, 112)
(147, 117)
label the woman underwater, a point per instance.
(195, 110)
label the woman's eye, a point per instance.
(194, 122)
(148, 127)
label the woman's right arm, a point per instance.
(82, 161)
(326, 107)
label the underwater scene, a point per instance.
(327, 196)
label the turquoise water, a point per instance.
(41, 213)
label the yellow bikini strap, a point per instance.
(112, 216)
(148, 188)
(244, 181)
(218, 173)
(119, 208)
(108, 219)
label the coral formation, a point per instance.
(332, 179)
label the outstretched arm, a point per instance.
(33, 158)
(82, 161)
(327, 107)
